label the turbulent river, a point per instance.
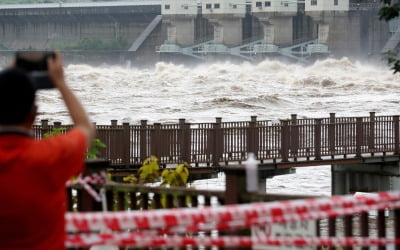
(271, 90)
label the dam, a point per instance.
(147, 31)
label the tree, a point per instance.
(389, 12)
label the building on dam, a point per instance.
(202, 29)
(258, 28)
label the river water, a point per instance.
(271, 90)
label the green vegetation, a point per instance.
(93, 151)
(389, 12)
(92, 44)
(149, 172)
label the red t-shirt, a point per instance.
(32, 188)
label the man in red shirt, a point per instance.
(33, 172)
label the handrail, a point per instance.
(224, 142)
(122, 197)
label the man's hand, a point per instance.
(55, 70)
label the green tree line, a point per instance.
(388, 12)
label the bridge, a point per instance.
(285, 143)
(347, 143)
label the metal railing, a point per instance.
(223, 142)
(122, 197)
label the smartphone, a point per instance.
(35, 63)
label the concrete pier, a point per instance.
(276, 19)
(227, 20)
(227, 30)
(179, 17)
(277, 30)
(374, 176)
(180, 30)
(348, 29)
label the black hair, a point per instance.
(17, 96)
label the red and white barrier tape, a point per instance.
(144, 240)
(231, 216)
(94, 178)
(240, 224)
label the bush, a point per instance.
(93, 44)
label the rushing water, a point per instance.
(270, 90)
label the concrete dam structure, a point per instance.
(73, 28)
(207, 29)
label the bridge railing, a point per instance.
(124, 196)
(223, 142)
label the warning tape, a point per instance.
(94, 178)
(146, 240)
(231, 216)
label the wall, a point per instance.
(44, 28)
(367, 177)
(352, 33)
(358, 34)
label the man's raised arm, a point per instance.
(77, 112)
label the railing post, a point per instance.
(364, 229)
(332, 229)
(155, 139)
(396, 134)
(331, 133)
(45, 127)
(115, 153)
(185, 143)
(285, 140)
(114, 123)
(143, 140)
(317, 138)
(126, 144)
(252, 142)
(371, 138)
(235, 179)
(182, 141)
(359, 136)
(57, 124)
(218, 141)
(85, 201)
(396, 224)
(188, 135)
(348, 228)
(294, 138)
(381, 226)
